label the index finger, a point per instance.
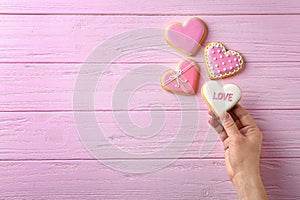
(243, 115)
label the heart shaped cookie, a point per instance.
(221, 63)
(183, 80)
(220, 98)
(186, 37)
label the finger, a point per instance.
(226, 143)
(214, 122)
(223, 136)
(218, 128)
(243, 116)
(244, 130)
(236, 120)
(248, 130)
(229, 125)
(212, 114)
(216, 125)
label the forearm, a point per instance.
(249, 187)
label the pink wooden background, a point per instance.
(44, 43)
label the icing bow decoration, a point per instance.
(180, 80)
(183, 80)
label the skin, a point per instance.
(242, 141)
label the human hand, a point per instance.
(242, 141)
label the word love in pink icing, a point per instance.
(186, 37)
(183, 80)
(222, 96)
(221, 63)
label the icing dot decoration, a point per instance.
(230, 60)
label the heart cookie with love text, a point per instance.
(183, 80)
(187, 36)
(220, 98)
(221, 63)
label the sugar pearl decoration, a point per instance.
(212, 52)
(219, 51)
(224, 69)
(223, 63)
(230, 67)
(216, 65)
(219, 71)
(229, 61)
(221, 56)
(235, 59)
(237, 65)
(215, 58)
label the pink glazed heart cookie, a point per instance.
(186, 37)
(183, 80)
(220, 98)
(221, 63)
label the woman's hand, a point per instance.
(242, 142)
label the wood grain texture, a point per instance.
(156, 7)
(184, 179)
(43, 45)
(260, 38)
(45, 135)
(46, 87)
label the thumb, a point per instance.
(229, 125)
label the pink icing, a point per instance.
(222, 96)
(220, 61)
(189, 72)
(186, 37)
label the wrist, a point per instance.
(249, 186)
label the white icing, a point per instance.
(230, 67)
(223, 63)
(224, 69)
(212, 52)
(221, 56)
(216, 65)
(229, 61)
(219, 51)
(237, 65)
(211, 87)
(215, 58)
(235, 59)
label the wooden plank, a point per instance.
(154, 7)
(52, 135)
(46, 87)
(45, 38)
(184, 179)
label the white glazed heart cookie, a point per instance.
(220, 98)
